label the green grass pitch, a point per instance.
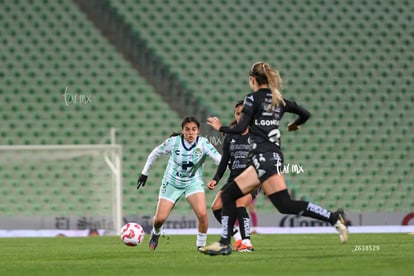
(318, 254)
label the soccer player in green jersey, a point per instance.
(183, 176)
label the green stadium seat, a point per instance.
(345, 82)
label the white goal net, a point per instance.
(63, 187)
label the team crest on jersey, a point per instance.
(197, 152)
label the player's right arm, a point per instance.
(164, 148)
(250, 106)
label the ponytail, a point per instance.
(265, 74)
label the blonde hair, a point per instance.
(265, 74)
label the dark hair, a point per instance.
(188, 119)
(238, 103)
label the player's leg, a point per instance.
(217, 208)
(246, 182)
(243, 184)
(167, 197)
(275, 188)
(253, 216)
(198, 204)
(164, 208)
(244, 224)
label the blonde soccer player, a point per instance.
(262, 113)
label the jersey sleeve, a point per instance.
(211, 151)
(240, 127)
(293, 107)
(249, 104)
(248, 111)
(224, 160)
(164, 148)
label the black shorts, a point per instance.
(267, 164)
(254, 193)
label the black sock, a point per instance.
(229, 213)
(217, 214)
(282, 201)
(244, 222)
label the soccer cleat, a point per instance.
(217, 249)
(341, 226)
(201, 249)
(153, 243)
(245, 248)
(237, 244)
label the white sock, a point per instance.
(236, 234)
(201, 239)
(247, 242)
(156, 231)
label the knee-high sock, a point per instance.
(235, 233)
(229, 213)
(282, 201)
(244, 222)
(217, 214)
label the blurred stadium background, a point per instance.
(144, 65)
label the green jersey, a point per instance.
(185, 165)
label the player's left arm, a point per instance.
(211, 151)
(303, 114)
(208, 150)
(250, 107)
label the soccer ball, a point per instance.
(132, 234)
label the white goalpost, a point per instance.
(61, 187)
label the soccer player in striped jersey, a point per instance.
(262, 112)
(182, 177)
